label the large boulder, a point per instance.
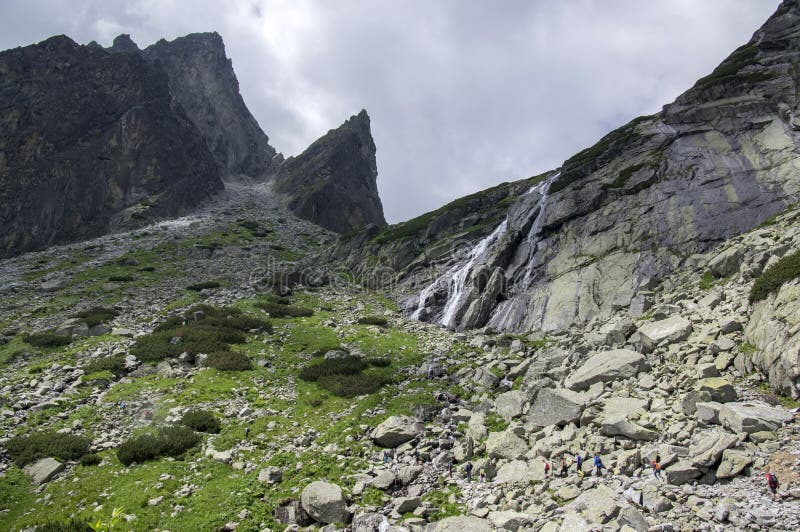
(520, 472)
(671, 330)
(509, 404)
(506, 445)
(510, 520)
(43, 470)
(396, 431)
(598, 505)
(607, 366)
(619, 419)
(727, 262)
(752, 417)
(720, 389)
(733, 462)
(555, 406)
(707, 446)
(460, 523)
(325, 502)
(681, 472)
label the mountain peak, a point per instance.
(123, 44)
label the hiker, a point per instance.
(416, 455)
(579, 464)
(656, 467)
(563, 467)
(468, 469)
(598, 463)
(386, 456)
(482, 474)
(246, 432)
(546, 468)
(772, 483)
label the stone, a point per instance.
(555, 406)
(325, 502)
(509, 405)
(519, 472)
(618, 419)
(485, 378)
(510, 520)
(727, 262)
(598, 505)
(753, 417)
(708, 412)
(292, 513)
(43, 470)
(629, 461)
(734, 461)
(409, 474)
(721, 390)
(681, 472)
(270, 475)
(396, 430)
(632, 519)
(607, 366)
(367, 522)
(73, 327)
(222, 456)
(690, 399)
(707, 370)
(506, 445)
(461, 523)
(406, 504)
(384, 480)
(667, 331)
(707, 446)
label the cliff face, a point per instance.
(333, 182)
(89, 139)
(620, 215)
(202, 81)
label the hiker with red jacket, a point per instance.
(772, 483)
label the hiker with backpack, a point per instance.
(468, 469)
(579, 464)
(546, 468)
(598, 463)
(656, 463)
(772, 483)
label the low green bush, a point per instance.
(90, 459)
(349, 365)
(379, 362)
(201, 421)
(353, 385)
(168, 441)
(278, 310)
(97, 315)
(46, 339)
(26, 449)
(115, 364)
(73, 525)
(228, 361)
(373, 320)
(205, 285)
(786, 269)
(121, 278)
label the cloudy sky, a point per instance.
(462, 94)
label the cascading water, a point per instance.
(542, 188)
(456, 278)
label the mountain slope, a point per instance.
(87, 134)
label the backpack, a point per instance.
(773, 481)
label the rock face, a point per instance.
(325, 503)
(202, 81)
(333, 183)
(623, 213)
(91, 138)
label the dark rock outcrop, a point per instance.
(333, 182)
(202, 81)
(90, 139)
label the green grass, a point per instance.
(747, 348)
(783, 271)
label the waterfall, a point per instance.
(456, 278)
(542, 188)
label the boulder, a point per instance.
(407, 504)
(598, 505)
(367, 522)
(384, 480)
(607, 366)
(73, 327)
(325, 502)
(668, 331)
(629, 461)
(43, 470)
(461, 523)
(485, 378)
(292, 513)
(555, 406)
(753, 417)
(506, 445)
(726, 263)
(720, 389)
(509, 404)
(707, 446)
(270, 475)
(708, 412)
(632, 519)
(733, 462)
(510, 520)
(681, 472)
(618, 419)
(519, 472)
(396, 431)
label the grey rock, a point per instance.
(461, 524)
(681, 472)
(509, 404)
(43, 470)
(734, 461)
(555, 406)
(607, 366)
(707, 446)
(396, 430)
(325, 502)
(506, 445)
(720, 389)
(752, 417)
(668, 331)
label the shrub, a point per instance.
(115, 364)
(349, 365)
(148, 269)
(205, 285)
(90, 459)
(374, 320)
(97, 315)
(121, 278)
(786, 269)
(201, 421)
(26, 449)
(168, 441)
(228, 361)
(353, 385)
(278, 310)
(73, 525)
(46, 339)
(379, 362)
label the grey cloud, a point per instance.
(462, 95)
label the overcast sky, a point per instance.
(462, 94)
